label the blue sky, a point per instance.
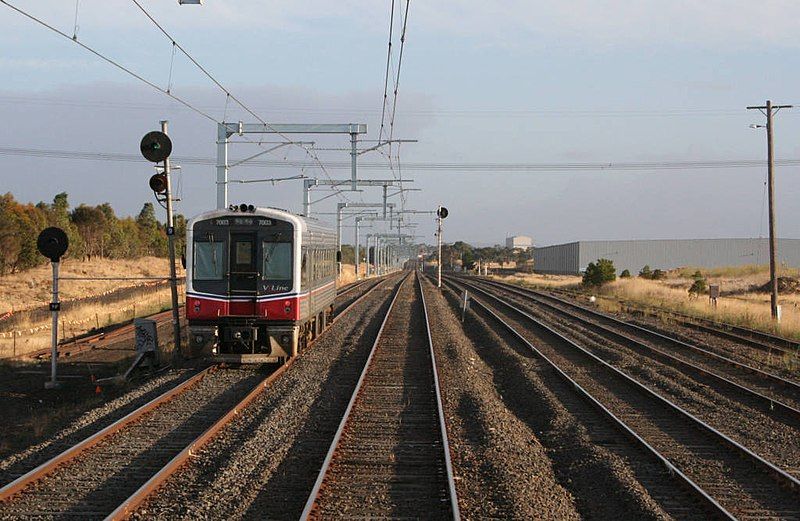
(482, 82)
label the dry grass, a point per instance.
(32, 288)
(736, 272)
(541, 280)
(746, 309)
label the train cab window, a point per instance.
(244, 253)
(277, 260)
(209, 260)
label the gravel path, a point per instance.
(263, 465)
(608, 476)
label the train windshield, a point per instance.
(209, 258)
(277, 260)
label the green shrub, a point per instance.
(698, 287)
(599, 273)
(646, 272)
(626, 274)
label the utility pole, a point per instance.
(173, 276)
(769, 110)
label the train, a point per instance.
(260, 283)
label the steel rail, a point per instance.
(794, 386)
(757, 339)
(129, 506)
(18, 485)
(780, 476)
(451, 483)
(770, 402)
(311, 501)
(50, 465)
(709, 502)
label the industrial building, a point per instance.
(519, 242)
(573, 257)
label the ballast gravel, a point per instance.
(263, 465)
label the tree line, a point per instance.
(93, 231)
(470, 255)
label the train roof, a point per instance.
(305, 224)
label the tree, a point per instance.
(646, 272)
(625, 274)
(658, 274)
(599, 273)
(468, 260)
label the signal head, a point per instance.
(243, 207)
(52, 243)
(442, 212)
(251, 208)
(158, 183)
(156, 146)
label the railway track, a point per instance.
(760, 340)
(113, 471)
(772, 390)
(390, 456)
(730, 480)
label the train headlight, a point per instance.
(243, 207)
(285, 340)
(199, 339)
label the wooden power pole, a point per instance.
(769, 110)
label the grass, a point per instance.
(32, 289)
(746, 309)
(736, 271)
(541, 280)
(738, 304)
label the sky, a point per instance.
(483, 85)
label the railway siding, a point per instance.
(731, 474)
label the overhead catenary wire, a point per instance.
(519, 167)
(109, 60)
(151, 84)
(229, 94)
(386, 75)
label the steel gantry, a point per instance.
(308, 184)
(226, 130)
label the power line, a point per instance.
(108, 60)
(229, 94)
(467, 113)
(149, 83)
(609, 166)
(386, 76)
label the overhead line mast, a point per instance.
(769, 110)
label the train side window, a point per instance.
(304, 268)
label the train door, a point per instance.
(244, 274)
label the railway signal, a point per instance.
(53, 244)
(158, 183)
(156, 146)
(441, 214)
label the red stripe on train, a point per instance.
(207, 309)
